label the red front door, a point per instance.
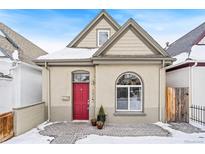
(80, 101)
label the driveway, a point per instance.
(69, 133)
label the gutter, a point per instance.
(32, 66)
(48, 91)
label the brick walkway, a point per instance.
(69, 133)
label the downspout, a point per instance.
(94, 90)
(160, 92)
(48, 91)
(191, 82)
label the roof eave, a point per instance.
(63, 62)
(134, 58)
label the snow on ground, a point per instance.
(31, 137)
(176, 138)
(202, 127)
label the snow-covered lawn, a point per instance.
(31, 137)
(176, 138)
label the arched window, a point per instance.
(129, 93)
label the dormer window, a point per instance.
(103, 35)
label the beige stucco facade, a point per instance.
(26, 118)
(61, 94)
(103, 92)
(106, 76)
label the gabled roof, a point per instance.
(102, 14)
(6, 47)
(11, 41)
(141, 31)
(185, 43)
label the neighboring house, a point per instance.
(189, 69)
(118, 67)
(20, 78)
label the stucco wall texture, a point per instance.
(26, 118)
(102, 91)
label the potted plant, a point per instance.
(99, 124)
(101, 115)
(93, 121)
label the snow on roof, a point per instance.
(186, 42)
(181, 57)
(2, 34)
(70, 53)
(202, 41)
(197, 53)
(1, 52)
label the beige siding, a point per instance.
(90, 39)
(129, 44)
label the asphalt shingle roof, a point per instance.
(185, 43)
(14, 41)
(6, 46)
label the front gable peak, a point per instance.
(87, 38)
(131, 40)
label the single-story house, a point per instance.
(188, 71)
(118, 67)
(20, 79)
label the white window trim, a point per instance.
(102, 30)
(129, 86)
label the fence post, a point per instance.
(194, 113)
(201, 115)
(198, 114)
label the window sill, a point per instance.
(127, 113)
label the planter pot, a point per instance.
(93, 123)
(99, 126)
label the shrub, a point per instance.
(101, 115)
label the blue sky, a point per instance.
(54, 29)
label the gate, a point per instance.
(6, 126)
(177, 105)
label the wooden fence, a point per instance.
(6, 126)
(177, 105)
